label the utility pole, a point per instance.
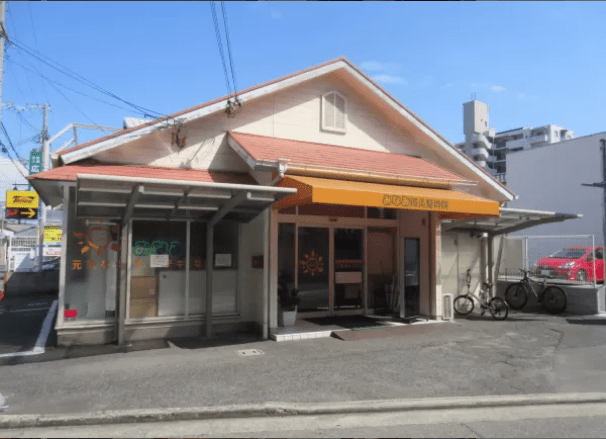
(45, 162)
(602, 184)
(3, 35)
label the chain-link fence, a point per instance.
(574, 258)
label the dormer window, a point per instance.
(334, 112)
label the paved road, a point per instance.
(21, 323)
(566, 420)
(527, 353)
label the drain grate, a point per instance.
(250, 352)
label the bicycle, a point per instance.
(552, 298)
(464, 303)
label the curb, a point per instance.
(293, 409)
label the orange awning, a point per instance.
(355, 193)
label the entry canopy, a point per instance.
(355, 193)
(121, 197)
(510, 220)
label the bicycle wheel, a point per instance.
(498, 308)
(463, 305)
(516, 296)
(554, 300)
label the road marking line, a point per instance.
(41, 341)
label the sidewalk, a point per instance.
(525, 354)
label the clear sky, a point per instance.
(534, 63)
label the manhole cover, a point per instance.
(250, 352)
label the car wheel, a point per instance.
(581, 276)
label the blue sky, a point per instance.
(534, 63)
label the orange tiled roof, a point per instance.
(69, 173)
(340, 157)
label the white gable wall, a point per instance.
(293, 113)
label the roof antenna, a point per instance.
(473, 96)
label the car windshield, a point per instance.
(568, 253)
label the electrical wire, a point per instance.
(68, 88)
(7, 152)
(9, 141)
(220, 44)
(231, 64)
(66, 71)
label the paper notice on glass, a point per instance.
(223, 260)
(158, 261)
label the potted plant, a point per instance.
(288, 302)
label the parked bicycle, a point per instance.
(552, 298)
(464, 303)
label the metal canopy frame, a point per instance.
(128, 198)
(510, 220)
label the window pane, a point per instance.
(340, 112)
(157, 269)
(329, 110)
(286, 255)
(92, 270)
(197, 268)
(313, 269)
(225, 273)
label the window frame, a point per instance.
(323, 112)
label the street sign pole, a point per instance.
(45, 160)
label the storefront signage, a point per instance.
(52, 234)
(158, 261)
(144, 248)
(52, 251)
(223, 260)
(312, 263)
(411, 202)
(22, 199)
(21, 213)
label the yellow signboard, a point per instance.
(22, 199)
(52, 234)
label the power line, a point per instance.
(66, 71)
(9, 141)
(231, 64)
(220, 44)
(6, 151)
(52, 81)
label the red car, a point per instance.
(573, 263)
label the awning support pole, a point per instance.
(209, 279)
(490, 258)
(123, 279)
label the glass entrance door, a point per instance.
(349, 251)
(313, 269)
(410, 294)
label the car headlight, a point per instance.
(568, 265)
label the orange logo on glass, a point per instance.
(312, 263)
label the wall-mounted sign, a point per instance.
(52, 234)
(52, 251)
(158, 261)
(22, 199)
(223, 260)
(404, 201)
(20, 213)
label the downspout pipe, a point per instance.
(281, 169)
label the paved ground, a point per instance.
(568, 420)
(527, 353)
(21, 320)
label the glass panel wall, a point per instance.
(92, 266)
(313, 271)
(157, 269)
(225, 268)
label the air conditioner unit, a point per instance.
(447, 313)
